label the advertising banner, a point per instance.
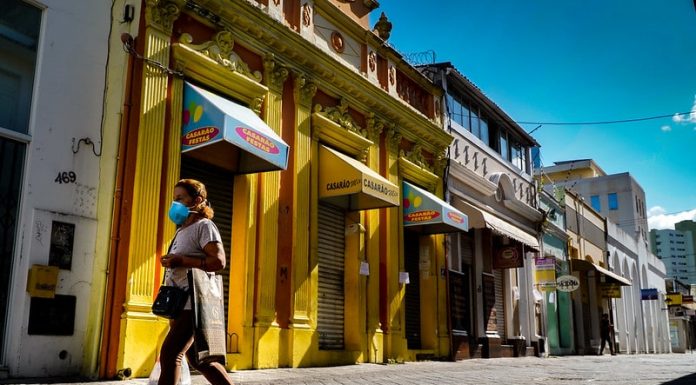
(545, 273)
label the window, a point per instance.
(504, 146)
(594, 201)
(613, 201)
(19, 32)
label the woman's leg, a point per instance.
(174, 347)
(214, 372)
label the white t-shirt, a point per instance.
(190, 241)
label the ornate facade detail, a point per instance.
(220, 50)
(374, 128)
(161, 14)
(256, 104)
(440, 163)
(383, 27)
(276, 74)
(340, 115)
(304, 89)
(393, 139)
(416, 156)
(392, 75)
(306, 15)
(372, 61)
(337, 42)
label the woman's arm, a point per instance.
(214, 259)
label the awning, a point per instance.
(348, 183)
(580, 264)
(229, 135)
(480, 219)
(428, 214)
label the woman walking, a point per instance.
(197, 245)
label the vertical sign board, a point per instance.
(545, 273)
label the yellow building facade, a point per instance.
(321, 269)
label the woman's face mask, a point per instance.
(178, 212)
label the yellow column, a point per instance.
(395, 344)
(375, 335)
(301, 340)
(265, 327)
(138, 342)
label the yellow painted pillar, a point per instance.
(375, 335)
(395, 342)
(138, 342)
(302, 271)
(267, 332)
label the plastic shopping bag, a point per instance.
(184, 378)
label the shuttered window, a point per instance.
(499, 301)
(331, 303)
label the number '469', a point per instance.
(66, 177)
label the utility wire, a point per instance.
(606, 121)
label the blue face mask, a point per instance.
(178, 212)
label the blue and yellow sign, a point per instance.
(209, 118)
(429, 214)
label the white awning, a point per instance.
(580, 264)
(481, 219)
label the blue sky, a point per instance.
(579, 61)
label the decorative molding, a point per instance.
(306, 15)
(327, 131)
(383, 27)
(392, 75)
(276, 74)
(472, 179)
(220, 50)
(340, 115)
(304, 89)
(393, 139)
(372, 61)
(337, 42)
(416, 156)
(440, 162)
(417, 174)
(523, 209)
(256, 104)
(161, 14)
(375, 127)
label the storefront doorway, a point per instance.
(413, 296)
(331, 301)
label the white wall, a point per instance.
(67, 105)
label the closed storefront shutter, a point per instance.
(219, 184)
(412, 296)
(331, 249)
(499, 301)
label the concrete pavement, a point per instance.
(668, 369)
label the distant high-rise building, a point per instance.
(618, 197)
(676, 249)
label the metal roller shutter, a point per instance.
(412, 297)
(331, 249)
(219, 184)
(499, 301)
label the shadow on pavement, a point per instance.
(686, 380)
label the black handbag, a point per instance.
(170, 300)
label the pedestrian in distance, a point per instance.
(605, 329)
(196, 245)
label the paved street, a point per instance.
(670, 369)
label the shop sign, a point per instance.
(257, 140)
(545, 273)
(648, 294)
(421, 216)
(567, 283)
(455, 217)
(687, 298)
(610, 290)
(199, 136)
(673, 299)
(507, 257)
